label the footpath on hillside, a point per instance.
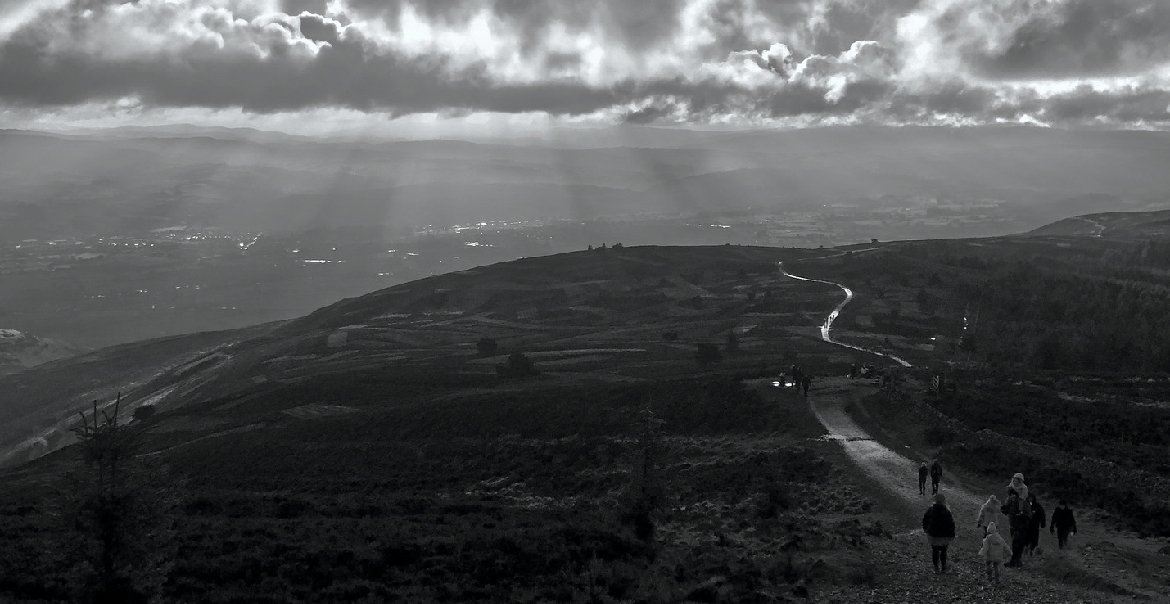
(895, 476)
(911, 577)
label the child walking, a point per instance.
(993, 552)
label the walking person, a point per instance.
(923, 472)
(805, 383)
(1063, 523)
(1017, 513)
(1035, 523)
(993, 552)
(935, 476)
(939, 525)
(1017, 485)
(989, 514)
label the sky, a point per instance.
(314, 64)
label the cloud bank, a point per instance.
(701, 61)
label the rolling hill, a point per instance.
(1113, 225)
(603, 300)
(374, 449)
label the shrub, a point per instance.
(863, 576)
(732, 343)
(487, 347)
(518, 366)
(144, 412)
(775, 500)
(939, 435)
(707, 353)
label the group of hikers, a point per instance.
(800, 379)
(935, 473)
(1022, 512)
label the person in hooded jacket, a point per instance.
(989, 514)
(993, 552)
(1018, 513)
(939, 525)
(1063, 522)
(936, 471)
(1017, 485)
(1035, 523)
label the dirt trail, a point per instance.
(898, 475)
(894, 471)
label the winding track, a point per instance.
(898, 475)
(893, 471)
(828, 324)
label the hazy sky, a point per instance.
(740, 62)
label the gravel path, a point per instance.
(892, 469)
(913, 579)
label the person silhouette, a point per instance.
(936, 472)
(993, 552)
(1063, 523)
(1035, 523)
(939, 525)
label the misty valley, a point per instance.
(606, 302)
(642, 366)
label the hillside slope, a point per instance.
(577, 313)
(20, 350)
(1117, 225)
(374, 450)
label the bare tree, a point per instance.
(120, 523)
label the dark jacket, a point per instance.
(1018, 514)
(938, 522)
(1035, 523)
(923, 471)
(1063, 520)
(1037, 519)
(936, 471)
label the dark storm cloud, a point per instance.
(950, 98)
(646, 115)
(634, 23)
(1124, 106)
(633, 60)
(314, 61)
(799, 100)
(830, 27)
(343, 74)
(1082, 38)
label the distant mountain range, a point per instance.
(1113, 225)
(111, 182)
